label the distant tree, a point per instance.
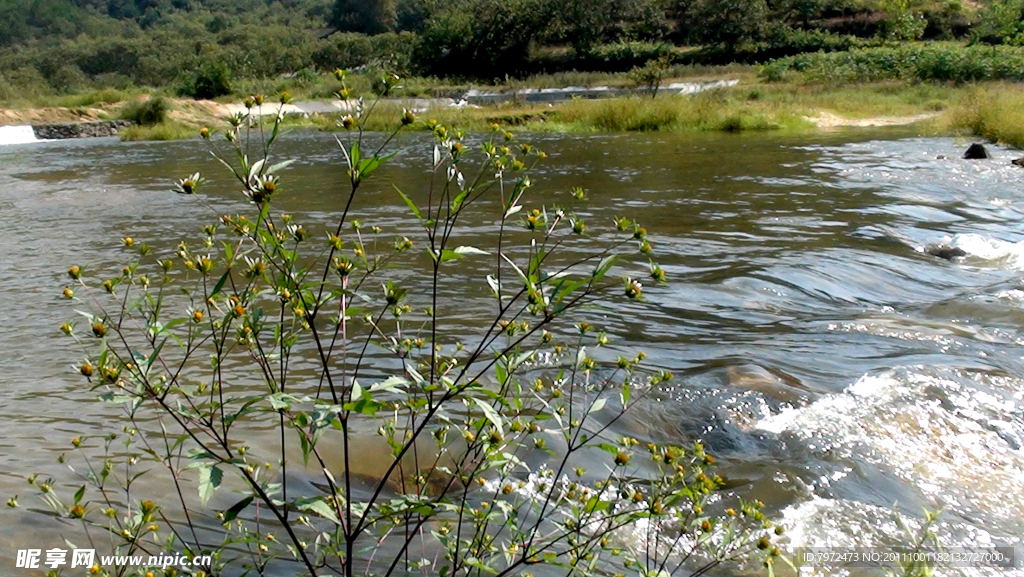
(801, 11)
(1001, 22)
(365, 16)
(413, 14)
(484, 39)
(728, 23)
(901, 22)
(586, 24)
(650, 76)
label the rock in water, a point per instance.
(976, 151)
(1018, 161)
(946, 252)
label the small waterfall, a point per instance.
(17, 135)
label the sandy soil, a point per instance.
(49, 115)
(827, 120)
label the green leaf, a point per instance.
(459, 252)
(412, 205)
(597, 406)
(255, 168)
(354, 155)
(581, 356)
(220, 283)
(603, 266)
(318, 506)
(279, 166)
(490, 413)
(153, 356)
(393, 384)
(79, 493)
(458, 200)
(209, 479)
(519, 272)
(625, 394)
(231, 513)
(281, 401)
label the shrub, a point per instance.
(458, 443)
(650, 75)
(146, 112)
(167, 130)
(926, 62)
(210, 80)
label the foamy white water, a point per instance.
(952, 434)
(987, 250)
(17, 135)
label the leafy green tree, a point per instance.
(901, 22)
(1001, 22)
(728, 23)
(586, 24)
(801, 11)
(482, 38)
(365, 16)
(650, 76)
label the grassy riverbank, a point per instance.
(994, 111)
(989, 110)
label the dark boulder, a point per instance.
(1018, 161)
(976, 152)
(946, 252)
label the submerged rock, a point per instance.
(774, 384)
(945, 252)
(976, 152)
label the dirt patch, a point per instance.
(827, 120)
(53, 115)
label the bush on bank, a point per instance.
(908, 62)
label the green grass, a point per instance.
(21, 99)
(867, 100)
(167, 130)
(718, 111)
(994, 112)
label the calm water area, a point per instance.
(836, 370)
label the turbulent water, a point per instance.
(840, 372)
(17, 135)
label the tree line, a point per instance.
(199, 45)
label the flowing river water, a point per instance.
(837, 370)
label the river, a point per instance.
(834, 368)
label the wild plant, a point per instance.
(302, 401)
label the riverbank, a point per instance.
(992, 110)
